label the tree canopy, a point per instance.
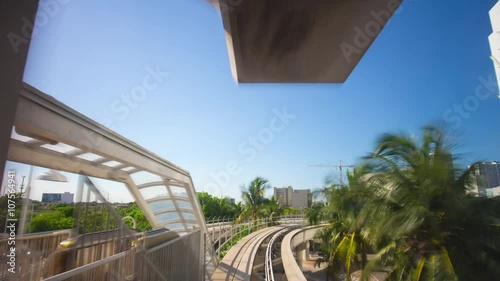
(410, 206)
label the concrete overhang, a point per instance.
(300, 41)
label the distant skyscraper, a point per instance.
(300, 199)
(488, 177)
(284, 195)
(288, 197)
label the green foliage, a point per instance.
(314, 214)
(254, 200)
(92, 217)
(290, 211)
(142, 224)
(244, 232)
(272, 209)
(4, 202)
(411, 207)
(59, 217)
(254, 204)
(214, 207)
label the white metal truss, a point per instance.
(50, 134)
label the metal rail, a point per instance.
(228, 230)
(269, 259)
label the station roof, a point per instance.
(49, 134)
(300, 41)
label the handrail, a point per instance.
(78, 270)
(294, 272)
(269, 259)
(236, 229)
(229, 230)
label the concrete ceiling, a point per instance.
(300, 41)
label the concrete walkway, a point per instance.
(237, 264)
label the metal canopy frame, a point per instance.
(50, 134)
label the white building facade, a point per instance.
(300, 199)
(65, 197)
(288, 197)
(494, 38)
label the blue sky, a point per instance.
(427, 59)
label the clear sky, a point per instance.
(89, 54)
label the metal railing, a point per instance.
(31, 250)
(229, 232)
(268, 263)
(114, 258)
(173, 260)
(101, 247)
(116, 267)
(220, 219)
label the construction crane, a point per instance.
(340, 166)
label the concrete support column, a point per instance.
(16, 21)
(307, 255)
(301, 253)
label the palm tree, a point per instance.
(327, 236)
(348, 243)
(273, 209)
(253, 198)
(314, 214)
(426, 224)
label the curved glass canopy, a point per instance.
(49, 134)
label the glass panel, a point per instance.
(184, 204)
(161, 205)
(178, 191)
(170, 216)
(126, 169)
(143, 177)
(112, 164)
(174, 226)
(84, 201)
(19, 137)
(188, 216)
(113, 191)
(90, 157)
(154, 192)
(60, 147)
(192, 225)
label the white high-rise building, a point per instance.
(284, 195)
(487, 179)
(65, 197)
(298, 198)
(494, 38)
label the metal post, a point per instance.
(204, 255)
(231, 226)
(24, 210)
(31, 218)
(218, 248)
